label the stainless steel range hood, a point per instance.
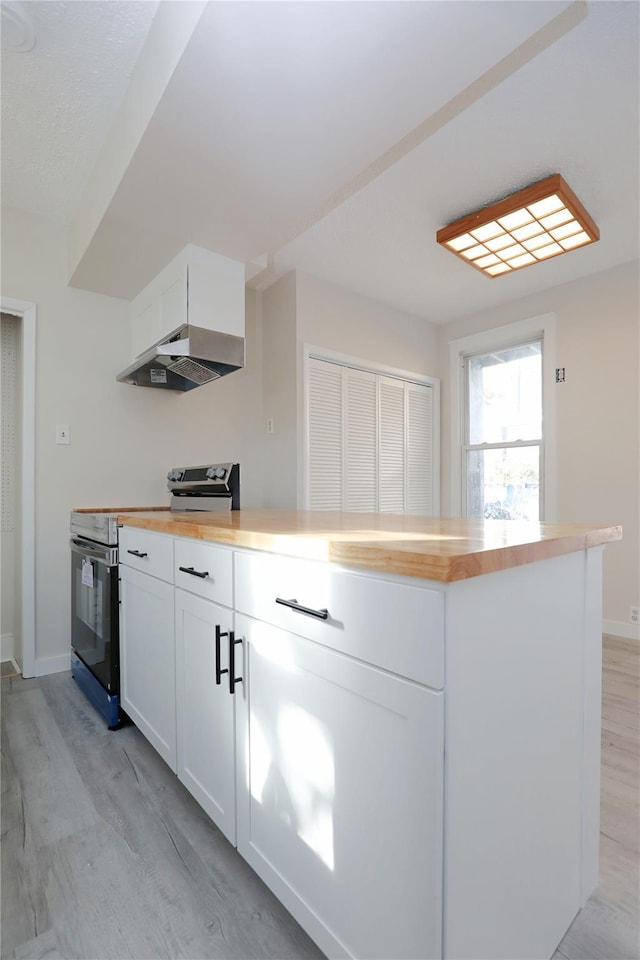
(188, 358)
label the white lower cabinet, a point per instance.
(340, 794)
(205, 709)
(324, 770)
(147, 658)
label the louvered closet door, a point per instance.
(370, 441)
(325, 428)
(391, 468)
(419, 408)
(360, 440)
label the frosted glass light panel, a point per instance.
(537, 223)
(503, 435)
(505, 395)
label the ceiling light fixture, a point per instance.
(537, 223)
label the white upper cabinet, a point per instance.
(198, 287)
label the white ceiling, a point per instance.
(335, 138)
(59, 98)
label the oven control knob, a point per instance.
(211, 472)
(174, 475)
(220, 472)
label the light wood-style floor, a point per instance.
(105, 855)
(608, 927)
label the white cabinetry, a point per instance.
(326, 761)
(205, 710)
(147, 658)
(340, 795)
(340, 751)
(204, 703)
(197, 287)
(387, 623)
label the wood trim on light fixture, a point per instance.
(553, 185)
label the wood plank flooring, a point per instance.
(608, 928)
(105, 855)
(7, 669)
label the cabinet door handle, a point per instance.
(136, 553)
(219, 670)
(294, 605)
(195, 573)
(232, 662)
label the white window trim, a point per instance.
(495, 339)
(309, 351)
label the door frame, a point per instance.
(27, 313)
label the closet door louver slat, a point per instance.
(325, 436)
(392, 446)
(419, 453)
(361, 441)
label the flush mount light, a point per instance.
(537, 223)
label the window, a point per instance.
(540, 328)
(370, 440)
(503, 433)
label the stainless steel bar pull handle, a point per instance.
(136, 553)
(322, 614)
(195, 573)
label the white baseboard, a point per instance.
(629, 631)
(6, 646)
(46, 665)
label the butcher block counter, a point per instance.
(396, 720)
(432, 548)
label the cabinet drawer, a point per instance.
(204, 558)
(396, 626)
(148, 552)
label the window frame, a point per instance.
(467, 446)
(494, 339)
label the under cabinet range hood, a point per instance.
(189, 357)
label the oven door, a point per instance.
(94, 610)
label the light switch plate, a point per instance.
(62, 433)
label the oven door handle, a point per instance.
(92, 552)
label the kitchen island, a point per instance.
(395, 719)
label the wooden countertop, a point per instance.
(431, 548)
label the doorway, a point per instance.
(18, 485)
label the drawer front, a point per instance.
(146, 551)
(211, 570)
(395, 626)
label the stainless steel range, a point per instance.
(214, 486)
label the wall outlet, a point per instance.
(270, 425)
(634, 614)
(560, 374)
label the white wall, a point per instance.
(339, 320)
(123, 438)
(280, 398)
(598, 414)
(300, 309)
